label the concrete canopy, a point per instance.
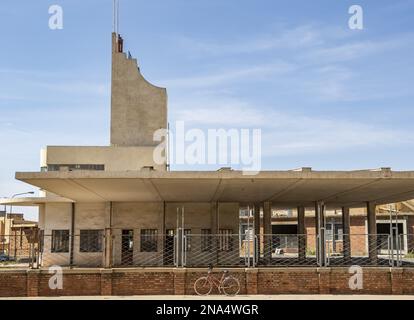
(335, 188)
(33, 201)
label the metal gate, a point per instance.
(225, 248)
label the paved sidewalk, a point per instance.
(240, 297)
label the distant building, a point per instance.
(16, 235)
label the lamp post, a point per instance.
(3, 233)
(19, 194)
(11, 210)
(5, 213)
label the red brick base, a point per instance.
(170, 281)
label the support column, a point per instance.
(15, 244)
(32, 283)
(106, 282)
(108, 248)
(214, 227)
(301, 233)
(162, 244)
(107, 263)
(346, 234)
(320, 232)
(162, 224)
(251, 281)
(180, 235)
(179, 281)
(72, 235)
(267, 229)
(372, 233)
(256, 241)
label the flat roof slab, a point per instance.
(336, 188)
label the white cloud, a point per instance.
(286, 133)
(355, 49)
(230, 76)
(313, 62)
(316, 43)
(34, 83)
(77, 87)
(282, 38)
(226, 112)
(304, 135)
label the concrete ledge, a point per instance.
(289, 269)
(144, 269)
(9, 270)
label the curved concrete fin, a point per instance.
(138, 108)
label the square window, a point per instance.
(149, 240)
(60, 241)
(91, 240)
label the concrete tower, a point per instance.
(138, 108)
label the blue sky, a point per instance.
(324, 96)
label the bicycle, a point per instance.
(229, 285)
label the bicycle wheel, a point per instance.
(231, 286)
(203, 286)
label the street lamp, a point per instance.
(3, 230)
(11, 209)
(11, 206)
(18, 194)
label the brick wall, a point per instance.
(410, 225)
(358, 236)
(141, 282)
(311, 235)
(285, 281)
(13, 284)
(169, 281)
(375, 281)
(83, 284)
(20, 243)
